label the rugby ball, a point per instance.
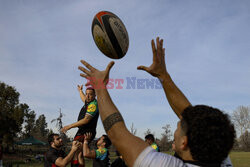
(110, 35)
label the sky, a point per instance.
(207, 55)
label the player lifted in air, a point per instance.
(87, 119)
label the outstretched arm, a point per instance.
(112, 120)
(82, 95)
(86, 151)
(176, 98)
(81, 122)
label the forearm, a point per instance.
(81, 159)
(79, 123)
(82, 96)
(176, 98)
(117, 131)
(86, 150)
(66, 160)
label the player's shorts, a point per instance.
(80, 137)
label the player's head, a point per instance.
(149, 138)
(55, 140)
(103, 141)
(90, 94)
(206, 132)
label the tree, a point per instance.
(59, 120)
(59, 124)
(244, 141)
(133, 130)
(40, 130)
(166, 142)
(241, 119)
(29, 120)
(11, 113)
(148, 131)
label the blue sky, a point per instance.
(207, 54)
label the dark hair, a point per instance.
(51, 137)
(150, 137)
(209, 131)
(90, 88)
(107, 141)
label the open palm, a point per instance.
(158, 67)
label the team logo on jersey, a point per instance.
(102, 151)
(154, 146)
(91, 108)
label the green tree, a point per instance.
(11, 113)
(40, 130)
(29, 120)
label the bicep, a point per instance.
(87, 117)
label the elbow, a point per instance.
(64, 163)
(87, 155)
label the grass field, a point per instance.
(239, 159)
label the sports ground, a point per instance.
(239, 159)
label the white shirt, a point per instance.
(150, 158)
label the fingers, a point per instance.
(84, 70)
(110, 65)
(144, 68)
(159, 44)
(84, 75)
(163, 54)
(153, 49)
(88, 65)
(63, 130)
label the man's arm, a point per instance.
(64, 161)
(112, 120)
(81, 159)
(82, 95)
(176, 98)
(81, 122)
(86, 151)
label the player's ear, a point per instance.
(184, 143)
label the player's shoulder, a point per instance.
(92, 107)
(94, 102)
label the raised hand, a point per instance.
(87, 136)
(79, 87)
(158, 67)
(76, 145)
(97, 79)
(65, 129)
